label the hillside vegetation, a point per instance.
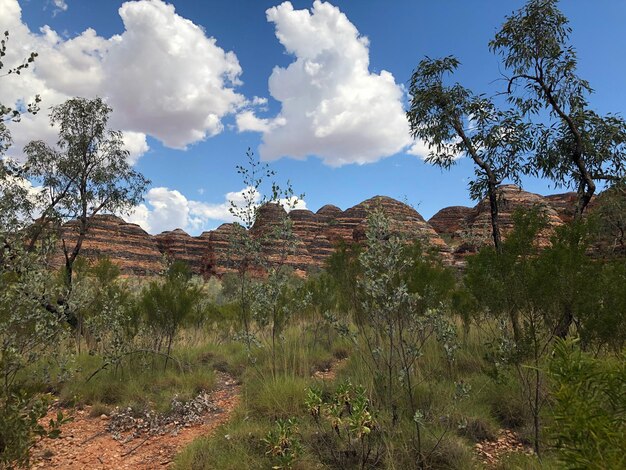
(383, 353)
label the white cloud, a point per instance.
(248, 121)
(422, 150)
(167, 78)
(165, 210)
(136, 144)
(168, 209)
(292, 203)
(332, 105)
(259, 101)
(163, 76)
(60, 4)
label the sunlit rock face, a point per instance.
(450, 222)
(467, 229)
(453, 233)
(131, 248)
(180, 246)
(564, 204)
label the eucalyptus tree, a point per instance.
(454, 121)
(581, 147)
(28, 331)
(87, 173)
(15, 201)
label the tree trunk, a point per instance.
(564, 324)
(493, 206)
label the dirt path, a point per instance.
(85, 443)
(330, 372)
(507, 441)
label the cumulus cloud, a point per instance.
(60, 4)
(248, 121)
(332, 106)
(168, 209)
(167, 78)
(136, 144)
(422, 150)
(163, 76)
(419, 149)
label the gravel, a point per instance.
(129, 423)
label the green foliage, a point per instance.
(502, 282)
(439, 115)
(28, 335)
(453, 121)
(507, 284)
(265, 305)
(396, 323)
(581, 147)
(349, 433)
(339, 287)
(133, 381)
(167, 305)
(86, 173)
(605, 322)
(567, 287)
(280, 397)
(16, 203)
(282, 443)
(434, 284)
(19, 427)
(273, 303)
(589, 409)
(610, 219)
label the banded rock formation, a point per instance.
(450, 222)
(130, 247)
(467, 229)
(179, 245)
(315, 235)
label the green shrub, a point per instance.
(349, 434)
(283, 444)
(589, 410)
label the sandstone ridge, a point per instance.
(452, 233)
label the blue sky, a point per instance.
(143, 82)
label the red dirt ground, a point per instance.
(85, 442)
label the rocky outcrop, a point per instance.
(221, 257)
(474, 225)
(453, 233)
(450, 222)
(510, 199)
(564, 204)
(179, 246)
(280, 245)
(351, 224)
(328, 212)
(311, 229)
(127, 245)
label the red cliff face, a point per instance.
(351, 225)
(450, 222)
(315, 235)
(128, 245)
(564, 204)
(311, 229)
(178, 245)
(467, 229)
(511, 198)
(271, 228)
